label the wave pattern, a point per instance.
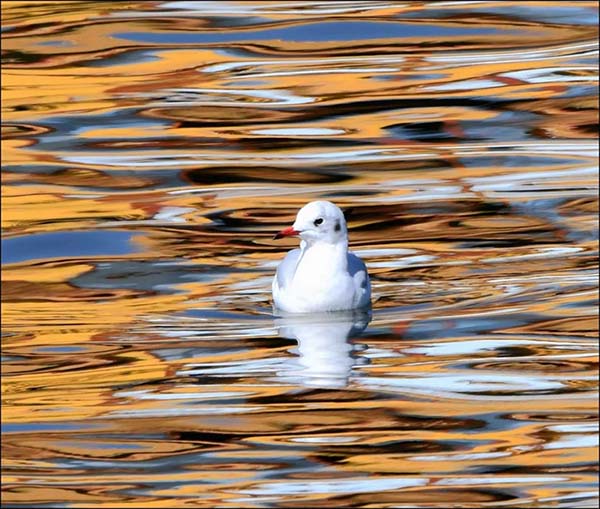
(151, 150)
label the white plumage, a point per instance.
(322, 275)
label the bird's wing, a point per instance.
(358, 271)
(355, 264)
(287, 268)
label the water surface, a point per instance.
(150, 152)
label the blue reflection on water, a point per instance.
(317, 32)
(46, 426)
(64, 244)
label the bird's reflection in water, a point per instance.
(324, 349)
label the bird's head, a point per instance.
(318, 221)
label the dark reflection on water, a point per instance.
(151, 150)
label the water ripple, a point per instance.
(151, 150)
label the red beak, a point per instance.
(286, 232)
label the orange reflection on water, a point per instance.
(150, 152)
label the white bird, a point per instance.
(322, 275)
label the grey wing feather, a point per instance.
(287, 268)
(355, 265)
(358, 271)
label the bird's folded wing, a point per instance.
(355, 265)
(362, 286)
(287, 268)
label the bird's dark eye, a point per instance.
(318, 221)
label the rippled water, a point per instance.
(151, 150)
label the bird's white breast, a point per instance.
(320, 282)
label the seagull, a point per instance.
(322, 275)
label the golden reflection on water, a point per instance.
(151, 150)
